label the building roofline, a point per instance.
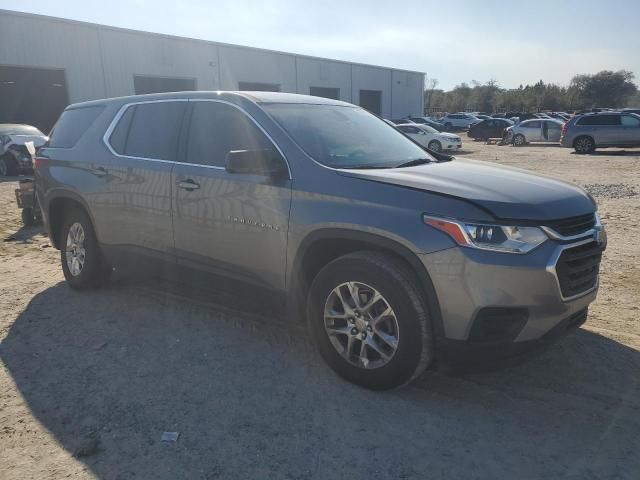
(191, 39)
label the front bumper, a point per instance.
(524, 289)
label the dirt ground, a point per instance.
(90, 381)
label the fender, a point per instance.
(55, 194)
(298, 289)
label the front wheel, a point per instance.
(82, 261)
(369, 320)
(584, 145)
(435, 146)
(519, 140)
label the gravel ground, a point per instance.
(90, 381)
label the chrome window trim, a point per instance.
(107, 134)
(553, 262)
(591, 233)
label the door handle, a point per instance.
(187, 185)
(99, 171)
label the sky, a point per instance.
(512, 42)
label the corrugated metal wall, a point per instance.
(102, 61)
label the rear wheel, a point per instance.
(584, 145)
(82, 261)
(435, 145)
(369, 320)
(519, 140)
(7, 166)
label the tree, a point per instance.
(430, 86)
(604, 89)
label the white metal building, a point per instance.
(47, 63)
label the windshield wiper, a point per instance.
(413, 163)
(367, 166)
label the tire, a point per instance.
(93, 271)
(435, 145)
(7, 166)
(369, 272)
(28, 219)
(519, 140)
(583, 145)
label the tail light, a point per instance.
(38, 162)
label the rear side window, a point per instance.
(532, 124)
(153, 130)
(629, 121)
(71, 126)
(217, 128)
(600, 120)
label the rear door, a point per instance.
(551, 131)
(228, 223)
(144, 143)
(631, 129)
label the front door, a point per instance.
(229, 223)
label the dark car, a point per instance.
(430, 123)
(491, 128)
(393, 258)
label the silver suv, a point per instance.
(395, 257)
(585, 133)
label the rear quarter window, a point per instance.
(72, 124)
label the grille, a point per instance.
(573, 226)
(578, 268)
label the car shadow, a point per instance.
(107, 372)
(612, 153)
(25, 234)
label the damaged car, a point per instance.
(14, 155)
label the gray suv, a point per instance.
(585, 133)
(396, 258)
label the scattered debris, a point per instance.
(11, 238)
(610, 190)
(170, 436)
(99, 346)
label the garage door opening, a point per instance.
(258, 87)
(35, 96)
(143, 84)
(371, 100)
(326, 92)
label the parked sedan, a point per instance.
(491, 128)
(14, 156)
(535, 131)
(427, 121)
(430, 137)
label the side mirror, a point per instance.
(255, 162)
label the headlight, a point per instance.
(499, 238)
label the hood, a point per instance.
(508, 193)
(37, 140)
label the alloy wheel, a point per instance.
(361, 325)
(75, 251)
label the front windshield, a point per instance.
(344, 137)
